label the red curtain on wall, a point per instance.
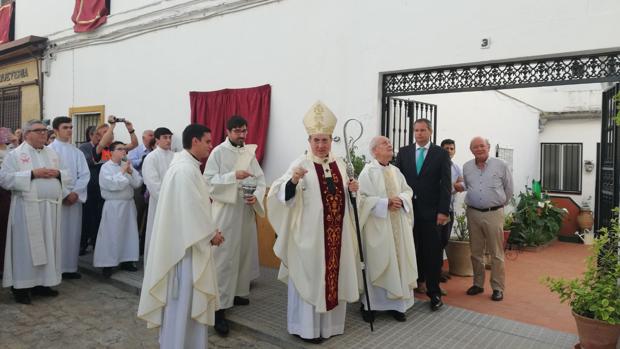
(89, 15)
(214, 108)
(6, 14)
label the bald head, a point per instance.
(381, 149)
(480, 148)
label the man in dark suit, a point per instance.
(426, 167)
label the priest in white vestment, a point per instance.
(309, 207)
(33, 174)
(231, 167)
(386, 214)
(154, 168)
(179, 291)
(74, 195)
(117, 238)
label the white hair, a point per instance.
(28, 125)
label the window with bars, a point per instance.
(81, 122)
(10, 108)
(560, 167)
(506, 155)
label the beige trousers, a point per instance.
(487, 229)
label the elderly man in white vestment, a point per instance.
(387, 216)
(231, 166)
(179, 290)
(309, 207)
(72, 159)
(154, 168)
(33, 174)
(117, 238)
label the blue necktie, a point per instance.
(420, 160)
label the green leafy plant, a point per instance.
(509, 221)
(460, 228)
(616, 99)
(536, 220)
(358, 162)
(596, 295)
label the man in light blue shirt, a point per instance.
(457, 186)
(137, 155)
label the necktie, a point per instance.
(420, 160)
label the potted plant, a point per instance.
(595, 297)
(585, 219)
(458, 250)
(536, 220)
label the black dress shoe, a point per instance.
(44, 291)
(317, 340)
(398, 316)
(21, 295)
(497, 295)
(71, 276)
(107, 272)
(128, 266)
(221, 324)
(241, 301)
(474, 290)
(436, 303)
(367, 316)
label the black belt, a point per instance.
(494, 208)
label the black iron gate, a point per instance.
(400, 114)
(609, 161)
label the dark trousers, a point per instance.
(446, 231)
(427, 236)
(91, 215)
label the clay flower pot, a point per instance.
(459, 258)
(596, 334)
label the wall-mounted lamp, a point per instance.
(588, 165)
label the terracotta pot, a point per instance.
(459, 258)
(585, 220)
(596, 334)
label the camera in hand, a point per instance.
(113, 119)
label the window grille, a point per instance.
(506, 155)
(561, 167)
(10, 108)
(81, 121)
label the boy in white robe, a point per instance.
(154, 168)
(387, 219)
(74, 195)
(309, 208)
(179, 290)
(32, 256)
(230, 166)
(117, 238)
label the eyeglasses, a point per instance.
(120, 149)
(39, 130)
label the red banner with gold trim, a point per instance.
(6, 14)
(89, 15)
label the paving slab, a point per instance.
(450, 327)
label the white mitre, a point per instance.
(319, 119)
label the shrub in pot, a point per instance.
(595, 297)
(458, 250)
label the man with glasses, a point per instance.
(73, 197)
(117, 238)
(33, 174)
(231, 167)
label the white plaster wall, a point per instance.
(582, 97)
(587, 132)
(463, 116)
(309, 50)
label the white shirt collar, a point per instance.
(426, 146)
